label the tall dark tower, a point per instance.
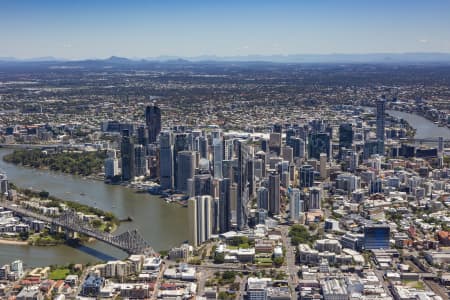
(345, 136)
(127, 155)
(153, 122)
(381, 121)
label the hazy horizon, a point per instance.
(147, 29)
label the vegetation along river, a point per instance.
(163, 225)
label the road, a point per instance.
(158, 282)
(291, 267)
(383, 282)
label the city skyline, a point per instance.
(141, 29)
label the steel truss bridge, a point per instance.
(130, 241)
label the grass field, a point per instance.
(59, 274)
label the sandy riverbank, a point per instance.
(12, 242)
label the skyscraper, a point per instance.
(185, 169)
(140, 161)
(142, 135)
(323, 166)
(127, 156)
(228, 149)
(203, 146)
(202, 184)
(306, 176)
(381, 120)
(345, 136)
(263, 198)
(298, 146)
(287, 153)
(153, 122)
(4, 186)
(201, 219)
(243, 154)
(217, 157)
(275, 143)
(296, 204)
(274, 193)
(224, 205)
(319, 143)
(166, 160)
(315, 197)
(181, 143)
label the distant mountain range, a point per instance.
(292, 58)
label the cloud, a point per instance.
(67, 46)
(423, 41)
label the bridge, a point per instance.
(130, 241)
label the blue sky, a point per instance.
(87, 29)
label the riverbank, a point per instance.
(84, 163)
(424, 128)
(162, 225)
(4, 241)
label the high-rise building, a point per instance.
(296, 204)
(185, 169)
(127, 156)
(278, 128)
(203, 146)
(354, 161)
(201, 219)
(228, 149)
(376, 186)
(251, 177)
(315, 197)
(166, 160)
(440, 145)
(274, 193)
(202, 184)
(111, 167)
(224, 205)
(372, 147)
(244, 155)
(306, 176)
(287, 153)
(142, 135)
(290, 133)
(3, 184)
(319, 143)
(275, 143)
(376, 236)
(298, 146)
(347, 182)
(345, 136)
(263, 198)
(381, 122)
(261, 155)
(323, 166)
(217, 157)
(140, 161)
(181, 143)
(258, 166)
(153, 122)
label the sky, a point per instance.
(142, 29)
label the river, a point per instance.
(424, 128)
(163, 225)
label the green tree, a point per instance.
(219, 258)
(44, 194)
(278, 261)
